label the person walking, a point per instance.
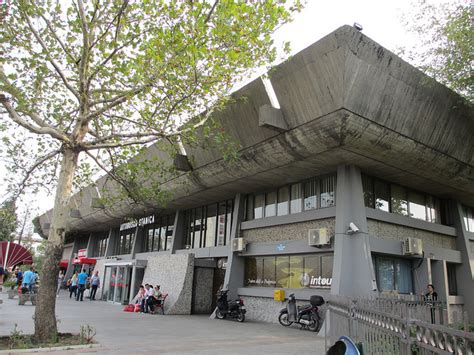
(95, 284)
(27, 279)
(60, 282)
(81, 285)
(73, 285)
(431, 297)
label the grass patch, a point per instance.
(18, 340)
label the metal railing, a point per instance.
(396, 326)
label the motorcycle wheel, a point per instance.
(219, 315)
(240, 317)
(314, 325)
(283, 319)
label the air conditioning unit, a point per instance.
(318, 237)
(238, 244)
(412, 246)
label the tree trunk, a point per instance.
(45, 315)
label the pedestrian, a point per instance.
(81, 285)
(73, 285)
(95, 284)
(60, 282)
(2, 275)
(33, 282)
(430, 298)
(27, 278)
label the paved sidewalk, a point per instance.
(132, 333)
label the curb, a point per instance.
(52, 349)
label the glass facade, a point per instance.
(289, 271)
(158, 236)
(394, 274)
(101, 245)
(403, 201)
(304, 196)
(125, 243)
(469, 218)
(209, 226)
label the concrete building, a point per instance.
(359, 181)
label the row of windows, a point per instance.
(400, 200)
(102, 245)
(209, 226)
(304, 196)
(158, 236)
(289, 271)
(125, 244)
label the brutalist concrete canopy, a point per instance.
(345, 100)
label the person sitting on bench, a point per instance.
(154, 299)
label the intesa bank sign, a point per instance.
(312, 281)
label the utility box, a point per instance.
(279, 295)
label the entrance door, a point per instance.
(117, 284)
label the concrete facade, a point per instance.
(350, 109)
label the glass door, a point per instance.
(117, 284)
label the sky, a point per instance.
(380, 19)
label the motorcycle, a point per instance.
(307, 316)
(233, 309)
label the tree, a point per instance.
(446, 45)
(92, 83)
(8, 220)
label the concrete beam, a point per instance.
(181, 163)
(271, 117)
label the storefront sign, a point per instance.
(82, 253)
(141, 222)
(315, 281)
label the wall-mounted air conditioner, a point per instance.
(318, 237)
(238, 244)
(412, 246)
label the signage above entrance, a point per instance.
(141, 222)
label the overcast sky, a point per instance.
(381, 21)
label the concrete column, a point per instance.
(110, 249)
(439, 277)
(137, 241)
(234, 274)
(422, 275)
(70, 266)
(179, 232)
(90, 245)
(132, 283)
(465, 271)
(353, 271)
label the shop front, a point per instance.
(122, 280)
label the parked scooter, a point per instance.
(307, 316)
(233, 309)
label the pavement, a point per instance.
(121, 332)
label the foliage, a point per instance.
(88, 85)
(87, 333)
(9, 284)
(16, 339)
(446, 46)
(8, 219)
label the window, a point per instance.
(101, 246)
(209, 226)
(452, 281)
(399, 204)
(328, 188)
(270, 204)
(312, 194)
(289, 271)
(469, 219)
(394, 274)
(283, 207)
(158, 236)
(296, 198)
(125, 244)
(403, 201)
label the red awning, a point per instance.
(16, 254)
(82, 261)
(64, 264)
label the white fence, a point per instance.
(394, 326)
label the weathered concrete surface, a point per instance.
(174, 273)
(346, 100)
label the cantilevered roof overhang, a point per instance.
(345, 100)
